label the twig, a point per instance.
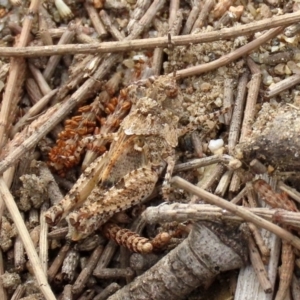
(239, 197)
(204, 212)
(282, 85)
(67, 292)
(207, 7)
(43, 245)
(19, 254)
(257, 167)
(58, 261)
(109, 290)
(191, 18)
(263, 249)
(290, 191)
(106, 256)
(82, 278)
(30, 250)
(141, 7)
(239, 211)
(223, 183)
(211, 176)
(259, 267)
(94, 17)
(40, 80)
(195, 261)
(53, 61)
(158, 52)
(152, 43)
(224, 60)
(228, 99)
(17, 67)
(286, 270)
(251, 102)
(202, 162)
(173, 9)
(112, 29)
(113, 273)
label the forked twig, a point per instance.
(237, 210)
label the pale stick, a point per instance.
(237, 210)
(181, 212)
(28, 244)
(139, 44)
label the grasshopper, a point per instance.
(140, 150)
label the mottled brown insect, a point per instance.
(127, 173)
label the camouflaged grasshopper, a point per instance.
(139, 152)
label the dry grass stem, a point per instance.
(207, 7)
(173, 9)
(205, 212)
(95, 19)
(202, 162)
(234, 55)
(212, 175)
(40, 79)
(259, 267)
(33, 91)
(223, 183)
(239, 197)
(293, 193)
(16, 74)
(282, 85)
(237, 210)
(194, 13)
(53, 61)
(157, 60)
(43, 27)
(152, 43)
(24, 234)
(176, 26)
(251, 195)
(237, 115)
(43, 244)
